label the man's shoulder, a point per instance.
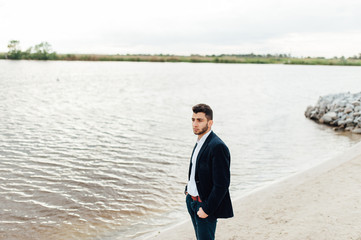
(218, 147)
(215, 140)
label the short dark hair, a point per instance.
(204, 108)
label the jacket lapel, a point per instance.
(205, 145)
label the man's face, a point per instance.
(200, 123)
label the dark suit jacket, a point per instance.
(212, 177)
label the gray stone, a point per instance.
(308, 111)
(357, 109)
(350, 120)
(356, 130)
(342, 110)
(348, 110)
(332, 115)
(356, 103)
(342, 104)
(349, 128)
(341, 122)
(328, 117)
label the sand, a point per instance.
(321, 203)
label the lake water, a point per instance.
(100, 150)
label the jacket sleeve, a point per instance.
(220, 178)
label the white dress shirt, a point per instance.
(192, 186)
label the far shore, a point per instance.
(223, 58)
(318, 204)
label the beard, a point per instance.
(203, 130)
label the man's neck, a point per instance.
(200, 136)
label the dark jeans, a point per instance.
(205, 228)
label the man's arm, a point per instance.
(221, 178)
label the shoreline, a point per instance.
(195, 58)
(323, 202)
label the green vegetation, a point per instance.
(14, 50)
(323, 61)
(43, 51)
(224, 58)
(174, 58)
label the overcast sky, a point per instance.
(297, 27)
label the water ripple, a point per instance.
(103, 153)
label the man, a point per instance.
(209, 176)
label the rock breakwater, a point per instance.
(341, 111)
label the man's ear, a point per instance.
(210, 123)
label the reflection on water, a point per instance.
(100, 150)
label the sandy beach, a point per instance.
(321, 203)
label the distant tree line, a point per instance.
(41, 51)
(356, 57)
(252, 55)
